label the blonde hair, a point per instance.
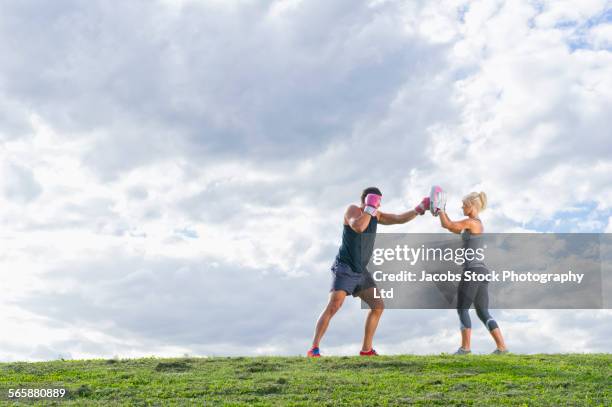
(478, 199)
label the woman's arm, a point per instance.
(457, 226)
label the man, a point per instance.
(350, 276)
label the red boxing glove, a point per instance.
(372, 202)
(423, 206)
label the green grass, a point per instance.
(552, 380)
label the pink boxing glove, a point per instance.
(372, 202)
(423, 206)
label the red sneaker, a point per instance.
(370, 352)
(313, 352)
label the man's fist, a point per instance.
(372, 202)
(423, 206)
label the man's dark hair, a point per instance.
(370, 190)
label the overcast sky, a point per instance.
(173, 174)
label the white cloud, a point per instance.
(601, 36)
(141, 160)
(555, 13)
(530, 111)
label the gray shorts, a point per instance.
(345, 279)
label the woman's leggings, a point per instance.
(476, 292)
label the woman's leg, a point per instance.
(481, 303)
(466, 334)
(465, 296)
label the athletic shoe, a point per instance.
(499, 352)
(462, 351)
(313, 352)
(371, 352)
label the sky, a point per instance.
(173, 174)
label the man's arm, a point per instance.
(395, 219)
(357, 219)
(455, 226)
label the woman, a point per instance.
(469, 292)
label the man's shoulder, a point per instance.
(352, 209)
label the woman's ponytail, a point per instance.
(483, 200)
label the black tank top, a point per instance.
(473, 242)
(357, 248)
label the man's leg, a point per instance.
(336, 298)
(376, 309)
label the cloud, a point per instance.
(205, 81)
(525, 116)
(193, 305)
(601, 36)
(18, 183)
(149, 149)
(130, 305)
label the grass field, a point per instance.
(552, 380)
